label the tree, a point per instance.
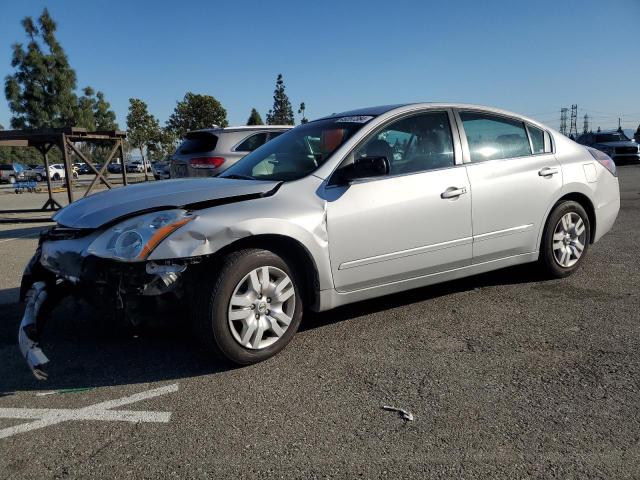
(301, 110)
(105, 118)
(164, 144)
(41, 90)
(195, 112)
(84, 115)
(281, 113)
(255, 118)
(143, 129)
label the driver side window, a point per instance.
(415, 144)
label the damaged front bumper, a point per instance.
(61, 267)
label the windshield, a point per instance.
(298, 152)
(611, 137)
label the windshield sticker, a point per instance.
(355, 119)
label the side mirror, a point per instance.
(365, 167)
(362, 167)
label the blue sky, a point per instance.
(531, 57)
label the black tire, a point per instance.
(214, 290)
(39, 178)
(56, 176)
(548, 261)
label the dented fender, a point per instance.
(292, 213)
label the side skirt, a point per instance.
(331, 298)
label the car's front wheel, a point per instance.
(250, 307)
(566, 239)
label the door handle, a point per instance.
(453, 192)
(548, 171)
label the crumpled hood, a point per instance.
(110, 205)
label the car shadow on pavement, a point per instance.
(83, 352)
(508, 276)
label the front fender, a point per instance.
(303, 220)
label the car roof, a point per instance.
(382, 109)
(246, 128)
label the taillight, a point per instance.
(206, 162)
(604, 159)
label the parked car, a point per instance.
(350, 207)
(207, 153)
(614, 143)
(84, 169)
(135, 167)
(161, 171)
(114, 168)
(56, 172)
(8, 173)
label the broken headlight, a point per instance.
(134, 239)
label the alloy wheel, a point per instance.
(569, 239)
(261, 307)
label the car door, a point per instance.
(513, 175)
(413, 222)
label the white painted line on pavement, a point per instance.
(102, 411)
(18, 237)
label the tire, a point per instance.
(213, 308)
(12, 179)
(56, 176)
(560, 253)
(38, 178)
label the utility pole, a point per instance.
(619, 125)
(585, 128)
(563, 120)
(573, 129)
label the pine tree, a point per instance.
(105, 118)
(195, 112)
(301, 110)
(41, 90)
(281, 113)
(255, 118)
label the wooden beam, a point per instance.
(102, 169)
(91, 166)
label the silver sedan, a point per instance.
(342, 209)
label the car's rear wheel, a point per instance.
(38, 177)
(566, 239)
(250, 307)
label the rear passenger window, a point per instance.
(537, 139)
(253, 142)
(492, 137)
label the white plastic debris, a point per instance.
(405, 414)
(27, 334)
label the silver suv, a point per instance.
(342, 209)
(206, 153)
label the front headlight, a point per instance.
(134, 239)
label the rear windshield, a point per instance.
(196, 142)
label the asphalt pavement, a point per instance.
(507, 375)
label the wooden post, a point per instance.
(68, 171)
(51, 202)
(124, 170)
